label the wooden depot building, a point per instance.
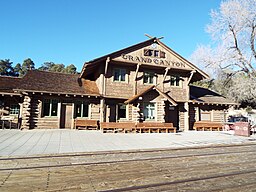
(146, 82)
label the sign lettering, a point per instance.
(156, 61)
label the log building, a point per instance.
(144, 82)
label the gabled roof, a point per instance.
(199, 73)
(59, 83)
(153, 87)
(118, 53)
(206, 96)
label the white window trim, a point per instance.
(126, 112)
(15, 114)
(82, 107)
(119, 81)
(180, 81)
(50, 108)
(155, 111)
(154, 77)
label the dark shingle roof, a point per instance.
(203, 95)
(7, 84)
(52, 82)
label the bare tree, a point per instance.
(232, 50)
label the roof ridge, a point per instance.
(55, 72)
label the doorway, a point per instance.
(111, 113)
(66, 116)
(172, 114)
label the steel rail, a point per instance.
(125, 161)
(154, 185)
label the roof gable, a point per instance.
(151, 88)
(162, 56)
(154, 54)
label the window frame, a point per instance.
(51, 102)
(149, 108)
(118, 113)
(120, 71)
(14, 109)
(176, 81)
(82, 104)
(150, 74)
(205, 113)
(154, 53)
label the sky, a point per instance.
(76, 31)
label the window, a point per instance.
(14, 109)
(205, 115)
(50, 107)
(119, 74)
(148, 52)
(81, 109)
(175, 81)
(121, 111)
(155, 53)
(162, 54)
(149, 111)
(148, 77)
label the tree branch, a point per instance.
(244, 62)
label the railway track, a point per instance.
(125, 161)
(158, 185)
(218, 168)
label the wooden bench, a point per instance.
(86, 124)
(116, 127)
(208, 126)
(154, 127)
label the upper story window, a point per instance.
(119, 74)
(14, 109)
(148, 77)
(154, 53)
(50, 107)
(81, 109)
(175, 81)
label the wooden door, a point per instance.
(66, 116)
(111, 113)
(171, 115)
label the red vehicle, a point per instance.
(231, 121)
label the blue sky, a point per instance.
(75, 31)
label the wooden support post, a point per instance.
(186, 116)
(190, 77)
(102, 110)
(104, 76)
(26, 112)
(186, 104)
(135, 78)
(165, 74)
